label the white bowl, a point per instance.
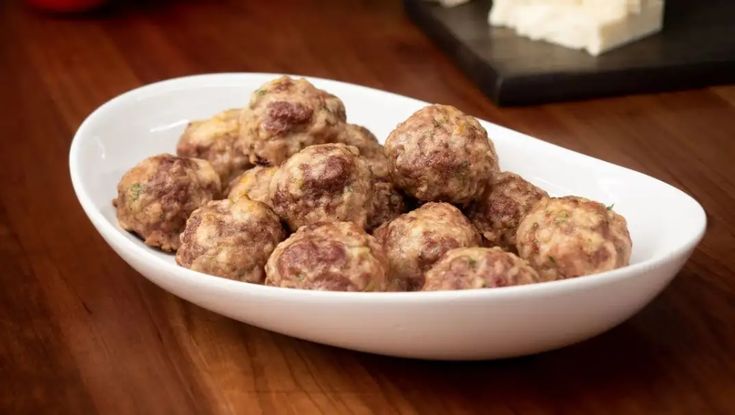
(665, 225)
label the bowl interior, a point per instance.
(149, 120)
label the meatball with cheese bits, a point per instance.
(216, 140)
(497, 213)
(286, 115)
(230, 239)
(252, 183)
(370, 149)
(322, 182)
(155, 197)
(441, 154)
(466, 268)
(570, 236)
(336, 256)
(414, 241)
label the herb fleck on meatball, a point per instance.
(286, 115)
(441, 154)
(230, 239)
(570, 236)
(336, 256)
(155, 197)
(414, 241)
(497, 213)
(322, 182)
(465, 268)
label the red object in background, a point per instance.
(66, 6)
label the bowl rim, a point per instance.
(115, 235)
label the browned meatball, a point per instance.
(155, 197)
(252, 183)
(465, 268)
(497, 213)
(336, 256)
(387, 204)
(369, 147)
(322, 182)
(441, 154)
(414, 241)
(284, 116)
(230, 239)
(571, 236)
(216, 140)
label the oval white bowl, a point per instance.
(665, 225)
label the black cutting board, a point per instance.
(696, 48)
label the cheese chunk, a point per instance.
(593, 25)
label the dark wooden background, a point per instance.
(81, 332)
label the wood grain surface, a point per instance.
(81, 332)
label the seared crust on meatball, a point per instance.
(370, 149)
(216, 140)
(322, 182)
(441, 154)
(230, 239)
(414, 241)
(337, 256)
(252, 183)
(497, 213)
(570, 236)
(155, 197)
(284, 116)
(387, 204)
(465, 268)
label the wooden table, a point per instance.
(82, 332)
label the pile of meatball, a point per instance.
(285, 192)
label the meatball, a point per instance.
(155, 197)
(571, 236)
(441, 154)
(414, 241)
(284, 116)
(216, 140)
(230, 239)
(369, 147)
(322, 182)
(336, 256)
(497, 213)
(387, 204)
(465, 268)
(253, 184)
